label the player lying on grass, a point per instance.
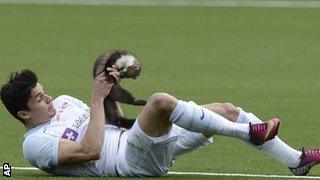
(66, 137)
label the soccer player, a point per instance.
(66, 137)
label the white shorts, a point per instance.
(142, 155)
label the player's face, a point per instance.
(40, 106)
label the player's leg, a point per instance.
(163, 109)
(299, 162)
(276, 147)
(227, 110)
(224, 110)
(153, 119)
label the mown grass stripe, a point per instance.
(215, 3)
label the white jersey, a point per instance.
(41, 144)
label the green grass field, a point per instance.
(265, 60)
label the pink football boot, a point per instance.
(308, 160)
(260, 133)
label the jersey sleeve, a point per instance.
(41, 151)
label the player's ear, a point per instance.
(23, 115)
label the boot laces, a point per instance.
(314, 152)
(259, 127)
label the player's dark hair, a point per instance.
(17, 91)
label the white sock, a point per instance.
(195, 118)
(275, 147)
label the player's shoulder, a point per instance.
(34, 137)
(35, 141)
(41, 150)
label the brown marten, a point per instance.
(129, 67)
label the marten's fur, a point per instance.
(129, 67)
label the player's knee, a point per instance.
(231, 111)
(162, 102)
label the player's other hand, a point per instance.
(114, 73)
(101, 87)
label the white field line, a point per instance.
(207, 174)
(204, 3)
(244, 175)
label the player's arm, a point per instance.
(90, 147)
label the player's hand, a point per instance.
(114, 73)
(101, 87)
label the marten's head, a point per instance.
(125, 62)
